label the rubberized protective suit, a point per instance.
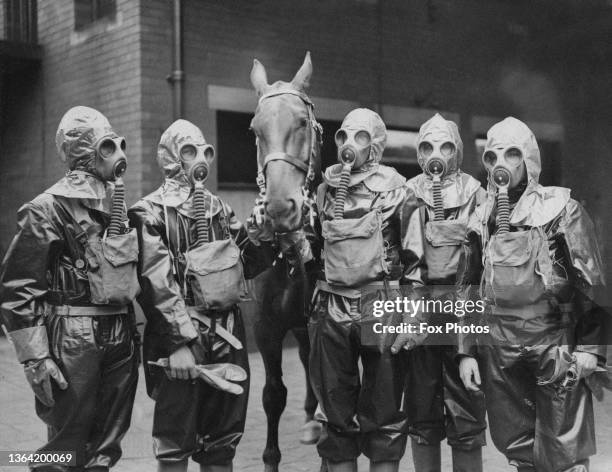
(538, 282)
(191, 419)
(53, 277)
(359, 415)
(437, 402)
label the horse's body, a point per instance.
(288, 141)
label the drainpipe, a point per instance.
(177, 77)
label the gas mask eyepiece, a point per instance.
(353, 147)
(196, 161)
(437, 157)
(111, 162)
(505, 166)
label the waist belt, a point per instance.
(220, 330)
(355, 292)
(70, 310)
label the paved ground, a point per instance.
(20, 429)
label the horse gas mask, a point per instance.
(506, 168)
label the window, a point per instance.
(401, 152)
(87, 12)
(550, 156)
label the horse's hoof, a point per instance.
(270, 467)
(311, 432)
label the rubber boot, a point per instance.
(180, 466)
(388, 466)
(347, 466)
(216, 468)
(467, 461)
(426, 458)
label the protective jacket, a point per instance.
(538, 281)
(60, 300)
(448, 262)
(174, 301)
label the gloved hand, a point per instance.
(182, 365)
(220, 376)
(39, 374)
(470, 373)
(256, 227)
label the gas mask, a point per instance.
(196, 159)
(438, 155)
(110, 164)
(506, 168)
(353, 152)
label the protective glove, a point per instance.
(39, 374)
(220, 376)
(256, 227)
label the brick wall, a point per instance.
(97, 67)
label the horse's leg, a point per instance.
(311, 429)
(270, 343)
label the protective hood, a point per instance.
(381, 178)
(177, 187)
(172, 195)
(457, 189)
(513, 132)
(80, 129)
(538, 205)
(439, 128)
(93, 193)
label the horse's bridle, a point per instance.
(316, 131)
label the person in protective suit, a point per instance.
(541, 266)
(359, 207)
(191, 271)
(69, 279)
(438, 404)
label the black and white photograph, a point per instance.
(305, 235)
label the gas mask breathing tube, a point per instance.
(436, 166)
(505, 169)
(111, 164)
(353, 152)
(196, 161)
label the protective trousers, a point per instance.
(359, 415)
(191, 418)
(97, 356)
(438, 404)
(537, 427)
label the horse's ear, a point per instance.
(259, 78)
(302, 76)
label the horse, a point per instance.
(288, 153)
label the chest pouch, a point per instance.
(444, 247)
(354, 250)
(517, 268)
(217, 269)
(112, 268)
